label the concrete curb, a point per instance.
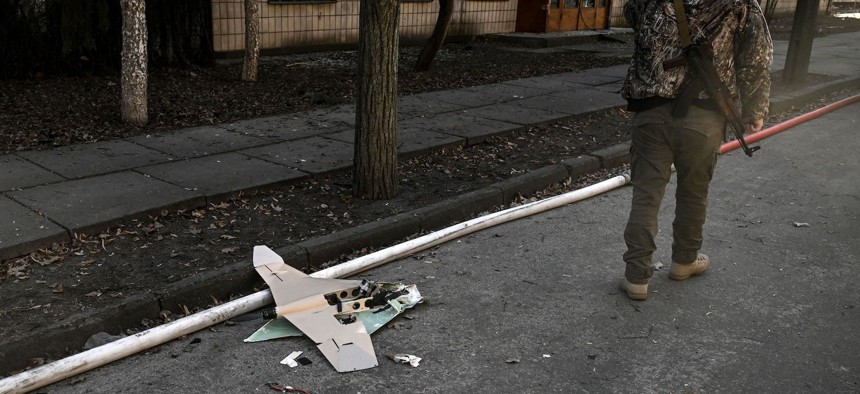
(613, 156)
(805, 96)
(540, 40)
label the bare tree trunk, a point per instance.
(252, 40)
(375, 157)
(134, 73)
(440, 31)
(800, 43)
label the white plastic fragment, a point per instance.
(546, 356)
(800, 224)
(291, 359)
(405, 359)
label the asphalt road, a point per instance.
(778, 312)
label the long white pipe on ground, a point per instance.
(458, 230)
(96, 357)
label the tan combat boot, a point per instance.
(633, 291)
(683, 271)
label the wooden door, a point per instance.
(531, 16)
(568, 15)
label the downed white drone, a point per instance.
(339, 315)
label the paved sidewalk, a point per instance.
(48, 196)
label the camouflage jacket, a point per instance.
(735, 29)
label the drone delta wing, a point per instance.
(301, 300)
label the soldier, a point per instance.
(676, 122)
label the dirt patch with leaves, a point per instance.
(100, 270)
(46, 112)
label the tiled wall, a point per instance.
(283, 26)
(616, 14)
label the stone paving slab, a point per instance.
(475, 130)
(545, 83)
(223, 174)
(343, 115)
(17, 173)
(587, 78)
(837, 54)
(463, 97)
(573, 102)
(197, 141)
(411, 141)
(843, 67)
(619, 71)
(23, 231)
(614, 88)
(79, 161)
(505, 92)
(96, 203)
(589, 101)
(512, 113)
(283, 127)
(778, 63)
(315, 155)
(420, 105)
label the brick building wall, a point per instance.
(336, 23)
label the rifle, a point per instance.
(698, 58)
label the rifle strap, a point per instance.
(683, 27)
(693, 87)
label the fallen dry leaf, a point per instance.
(223, 205)
(47, 260)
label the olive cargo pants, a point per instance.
(659, 140)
